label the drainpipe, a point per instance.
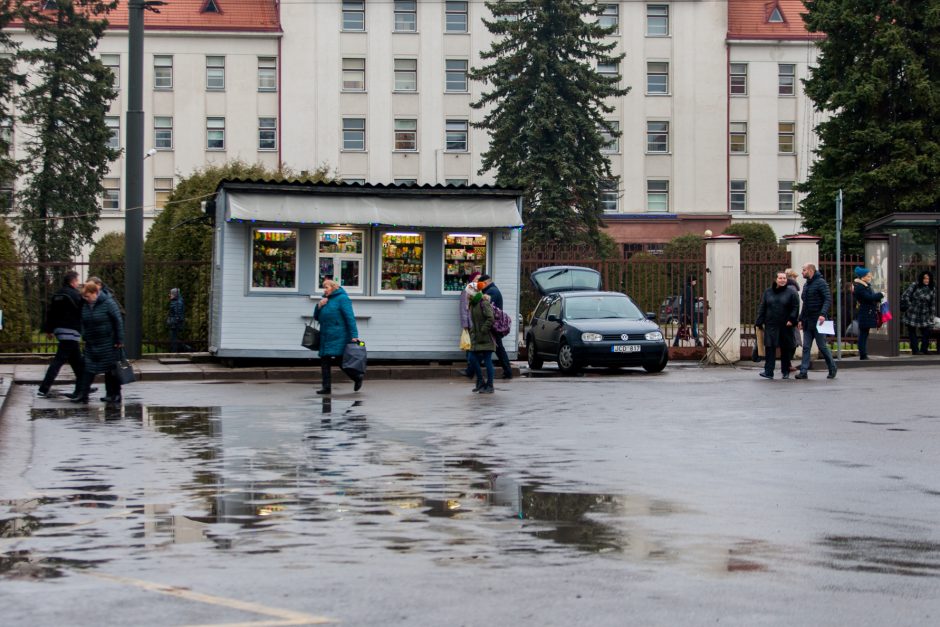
(280, 64)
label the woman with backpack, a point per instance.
(482, 343)
(918, 308)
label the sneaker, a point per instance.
(487, 390)
(41, 394)
(832, 373)
(358, 384)
(324, 391)
(765, 375)
(507, 376)
(478, 387)
(786, 375)
(801, 375)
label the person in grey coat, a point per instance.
(778, 315)
(103, 332)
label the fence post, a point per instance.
(723, 292)
(804, 249)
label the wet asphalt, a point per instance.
(692, 497)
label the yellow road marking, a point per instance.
(284, 617)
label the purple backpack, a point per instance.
(502, 323)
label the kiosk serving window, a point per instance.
(273, 259)
(464, 254)
(402, 263)
(339, 257)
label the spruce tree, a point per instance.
(545, 110)
(878, 79)
(63, 108)
(9, 79)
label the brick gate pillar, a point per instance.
(723, 292)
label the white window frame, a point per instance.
(267, 73)
(267, 131)
(786, 195)
(424, 263)
(162, 77)
(405, 75)
(786, 80)
(405, 182)
(737, 130)
(461, 72)
(112, 194)
(113, 122)
(737, 195)
(610, 17)
(486, 259)
(611, 145)
(215, 124)
(610, 70)
(353, 67)
(163, 124)
(161, 185)
(657, 14)
(215, 72)
(783, 135)
(403, 127)
(251, 261)
(407, 11)
(451, 126)
(737, 79)
(456, 182)
(654, 69)
(662, 191)
(353, 13)
(347, 126)
(453, 10)
(608, 191)
(655, 129)
(113, 63)
(339, 257)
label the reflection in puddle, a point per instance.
(883, 555)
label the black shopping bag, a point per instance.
(354, 358)
(311, 338)
(123, 371)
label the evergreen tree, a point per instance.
(67, 144)
(9, 79)
(878, 78)
(17, 326)
(545, 111)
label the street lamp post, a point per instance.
(134, 174)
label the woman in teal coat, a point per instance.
(338, 328)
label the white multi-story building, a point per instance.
(715, 127)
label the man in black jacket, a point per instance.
(816, 302)
(64, 320)
(496, 298)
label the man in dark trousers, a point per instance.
(816, 302)
(689, 315)
(64, 320)
(496, 299)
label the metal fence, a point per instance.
(827, 266)
(23, 321)
(759, 267)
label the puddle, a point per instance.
(889, 556)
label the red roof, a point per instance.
(233, 15)
(750, 19)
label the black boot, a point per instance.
(326, 379)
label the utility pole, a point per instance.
(839, 275)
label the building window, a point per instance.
(274, 259)
(113, 63)
(456, 17)
(402, 263)
(267, 133)
(456, 182)
(267, 73)
(737, 143)
(111, 200)
(609, 70)
(406, 75)
(354, 134)
(340, 257)
(163, 132)
(738, 199)
(162, 188)
(657, 137)
(354, 15)
(215, 133)
(464, 254)
(657, 195)
(215, 73)
(611, 138)
(657, 77)
(738, 79)
(354, 74)
(456, 135)
(354, 181)
(456, 75)
(163, 72)
(657, 20)
(786, 134)
(406, 135)
(610, 18)
(114, 126)
(775, 16)
(609, 196)
(406, 16)
(405, 182)
(786, 79)
(785, 196)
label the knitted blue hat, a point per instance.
(860, 271)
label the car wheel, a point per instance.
(658, 367)
(566, 361)
(535, 362)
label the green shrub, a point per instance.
(17, 327)
(106, 262)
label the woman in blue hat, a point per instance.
(866, 300)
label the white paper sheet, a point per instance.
(826, 328)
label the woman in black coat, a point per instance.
(777, 315)
(103, 332)
(868, 301)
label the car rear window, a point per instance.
(585, 307)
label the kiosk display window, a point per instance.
(464, 254)
(273, 259)
(402, 263)
(339, 257)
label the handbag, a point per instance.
(852, 330)
(354, 358)
(885, 311)
(123, 371)
(311, 338)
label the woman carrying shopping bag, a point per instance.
(103, 332)
(867, 301)
(338, 328)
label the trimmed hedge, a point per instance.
(17, 328)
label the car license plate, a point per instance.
(625, 348)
